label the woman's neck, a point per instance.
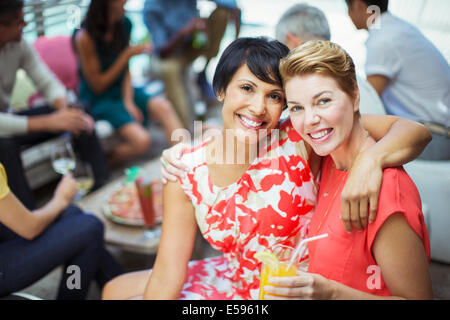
(229, 150)
(344, 156)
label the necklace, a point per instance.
(333, 168)
(332, 199)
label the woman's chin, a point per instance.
(322, 151)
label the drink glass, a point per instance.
(145, 194)
(84, 177)
(283, 254)
(63, 158)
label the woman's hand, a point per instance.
(66, 190)
(359, 198)
(143, 48)
(305, 286)
(172, 167)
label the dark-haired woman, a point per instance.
(243, 196)
(103, 49)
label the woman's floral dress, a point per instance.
(271, 203)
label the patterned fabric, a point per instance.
(272, 203)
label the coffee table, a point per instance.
(128, 238)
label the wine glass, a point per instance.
(63, 158)
(84, 177)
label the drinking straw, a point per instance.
(302, 245)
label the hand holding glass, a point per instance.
(84, 177)
(63, 158)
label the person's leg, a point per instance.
(108, 268)
(159, 109)
(74, 238)
(162, 111)
(172, 74)
(127, 286)
(136, 141)
(217, 25)
(90, 150)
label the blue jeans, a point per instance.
(75, 238)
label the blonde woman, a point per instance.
(388, 259)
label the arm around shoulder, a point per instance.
(175, 248)
(399, 140)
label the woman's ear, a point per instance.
(221, 96)
(357, 100)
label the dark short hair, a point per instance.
(9, 10)
(382, 4)
(261, 55)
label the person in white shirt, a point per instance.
(301, 23)
(408, 72)
(36, 125)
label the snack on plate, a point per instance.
(124, 207)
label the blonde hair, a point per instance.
(324, 58)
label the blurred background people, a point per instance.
(408, 72)
(33, 243)
(103, 49)
(301, 23)
(180, 36)
(33, 126)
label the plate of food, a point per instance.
(123, 206)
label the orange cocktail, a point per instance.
(275, 264)
(267, 272)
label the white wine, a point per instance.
(63, 165)
(84, 184)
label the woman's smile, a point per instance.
(250, 122)
(319, 136)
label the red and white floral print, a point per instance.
(271, 203)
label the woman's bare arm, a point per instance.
(398, 142)
(97, 79)
(402, 260)
(30, 224)
(175, 247)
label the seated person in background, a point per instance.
(409, 73)
(388, 259)
(103, 49)
(301, 23)
(180, 36)
(33, 243)
(34, 126)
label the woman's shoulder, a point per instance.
(398, 186)
(194, 155)
(399, 194)
(83, 39)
